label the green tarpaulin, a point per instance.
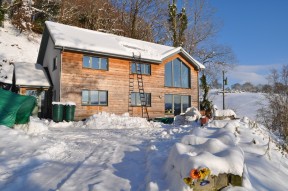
(14, 108)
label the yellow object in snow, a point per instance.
(204, 173)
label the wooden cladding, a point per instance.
(75, 78)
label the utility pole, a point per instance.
(224, 83)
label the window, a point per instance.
(136, 101)
(55, 63)
(176, 104)
(94, 97)
(95, 63)
(177, 74)
(145, 68)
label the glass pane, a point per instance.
(86, 61)
(31, 93)
(95, 63)
(148, 99)
(103, 98)
(138, 68)
(185, 103)
(185, 76)
(177, 104)
(138, 101)
(133, 68)
(104, 64)
(133, 99)
(85, 97)
(169, 104)
(94, 97)
(176, 73)
(148, 69)
(168, 74)
(143, 70)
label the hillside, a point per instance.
(244, 104)
(16, 46)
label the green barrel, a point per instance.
(69, 112)
(58, 112)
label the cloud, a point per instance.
(256, 74)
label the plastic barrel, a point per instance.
(69, 112)
(58, 112)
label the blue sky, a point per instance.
(257, 31)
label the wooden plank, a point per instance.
(75, 78)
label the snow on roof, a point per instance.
(30, 74)
(6, 73)
(71, 37)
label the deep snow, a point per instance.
(111, 153)
(123, 153)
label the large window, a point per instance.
(176, 104)
(145, 68)
(94, 97)
(177, 74)
(95, 63)
(136, 100)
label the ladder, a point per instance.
(131, 89)
(144, 110)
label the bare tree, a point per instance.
(274, 115)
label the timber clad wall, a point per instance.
(75, 78)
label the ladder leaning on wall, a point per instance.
(144, 110)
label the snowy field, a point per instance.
(113, 153)
(244, 104)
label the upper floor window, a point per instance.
(136, 99)
(141, 68)
(97, 63)
(177, 74)
(94, 97)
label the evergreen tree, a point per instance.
(177, 24)
(44, 10)
(205, 104)
(2, 14)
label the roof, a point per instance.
(30, 74)
(79, 39)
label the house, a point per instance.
(28, 79)
(105, 72)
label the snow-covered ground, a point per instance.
(120, 153)
(244, 104)
(109, 152)
(16, 46)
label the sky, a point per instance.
(257, 32)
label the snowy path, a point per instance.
(79, 159)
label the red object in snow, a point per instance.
(204, 120)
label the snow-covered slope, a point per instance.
(16, 46)
(244, 104)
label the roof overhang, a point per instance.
(186, 55)
(107, 54)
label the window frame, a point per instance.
(134, 94)
(98, 97)
(99, 62)
(143, 71)
(173, 103)
(172, 77)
